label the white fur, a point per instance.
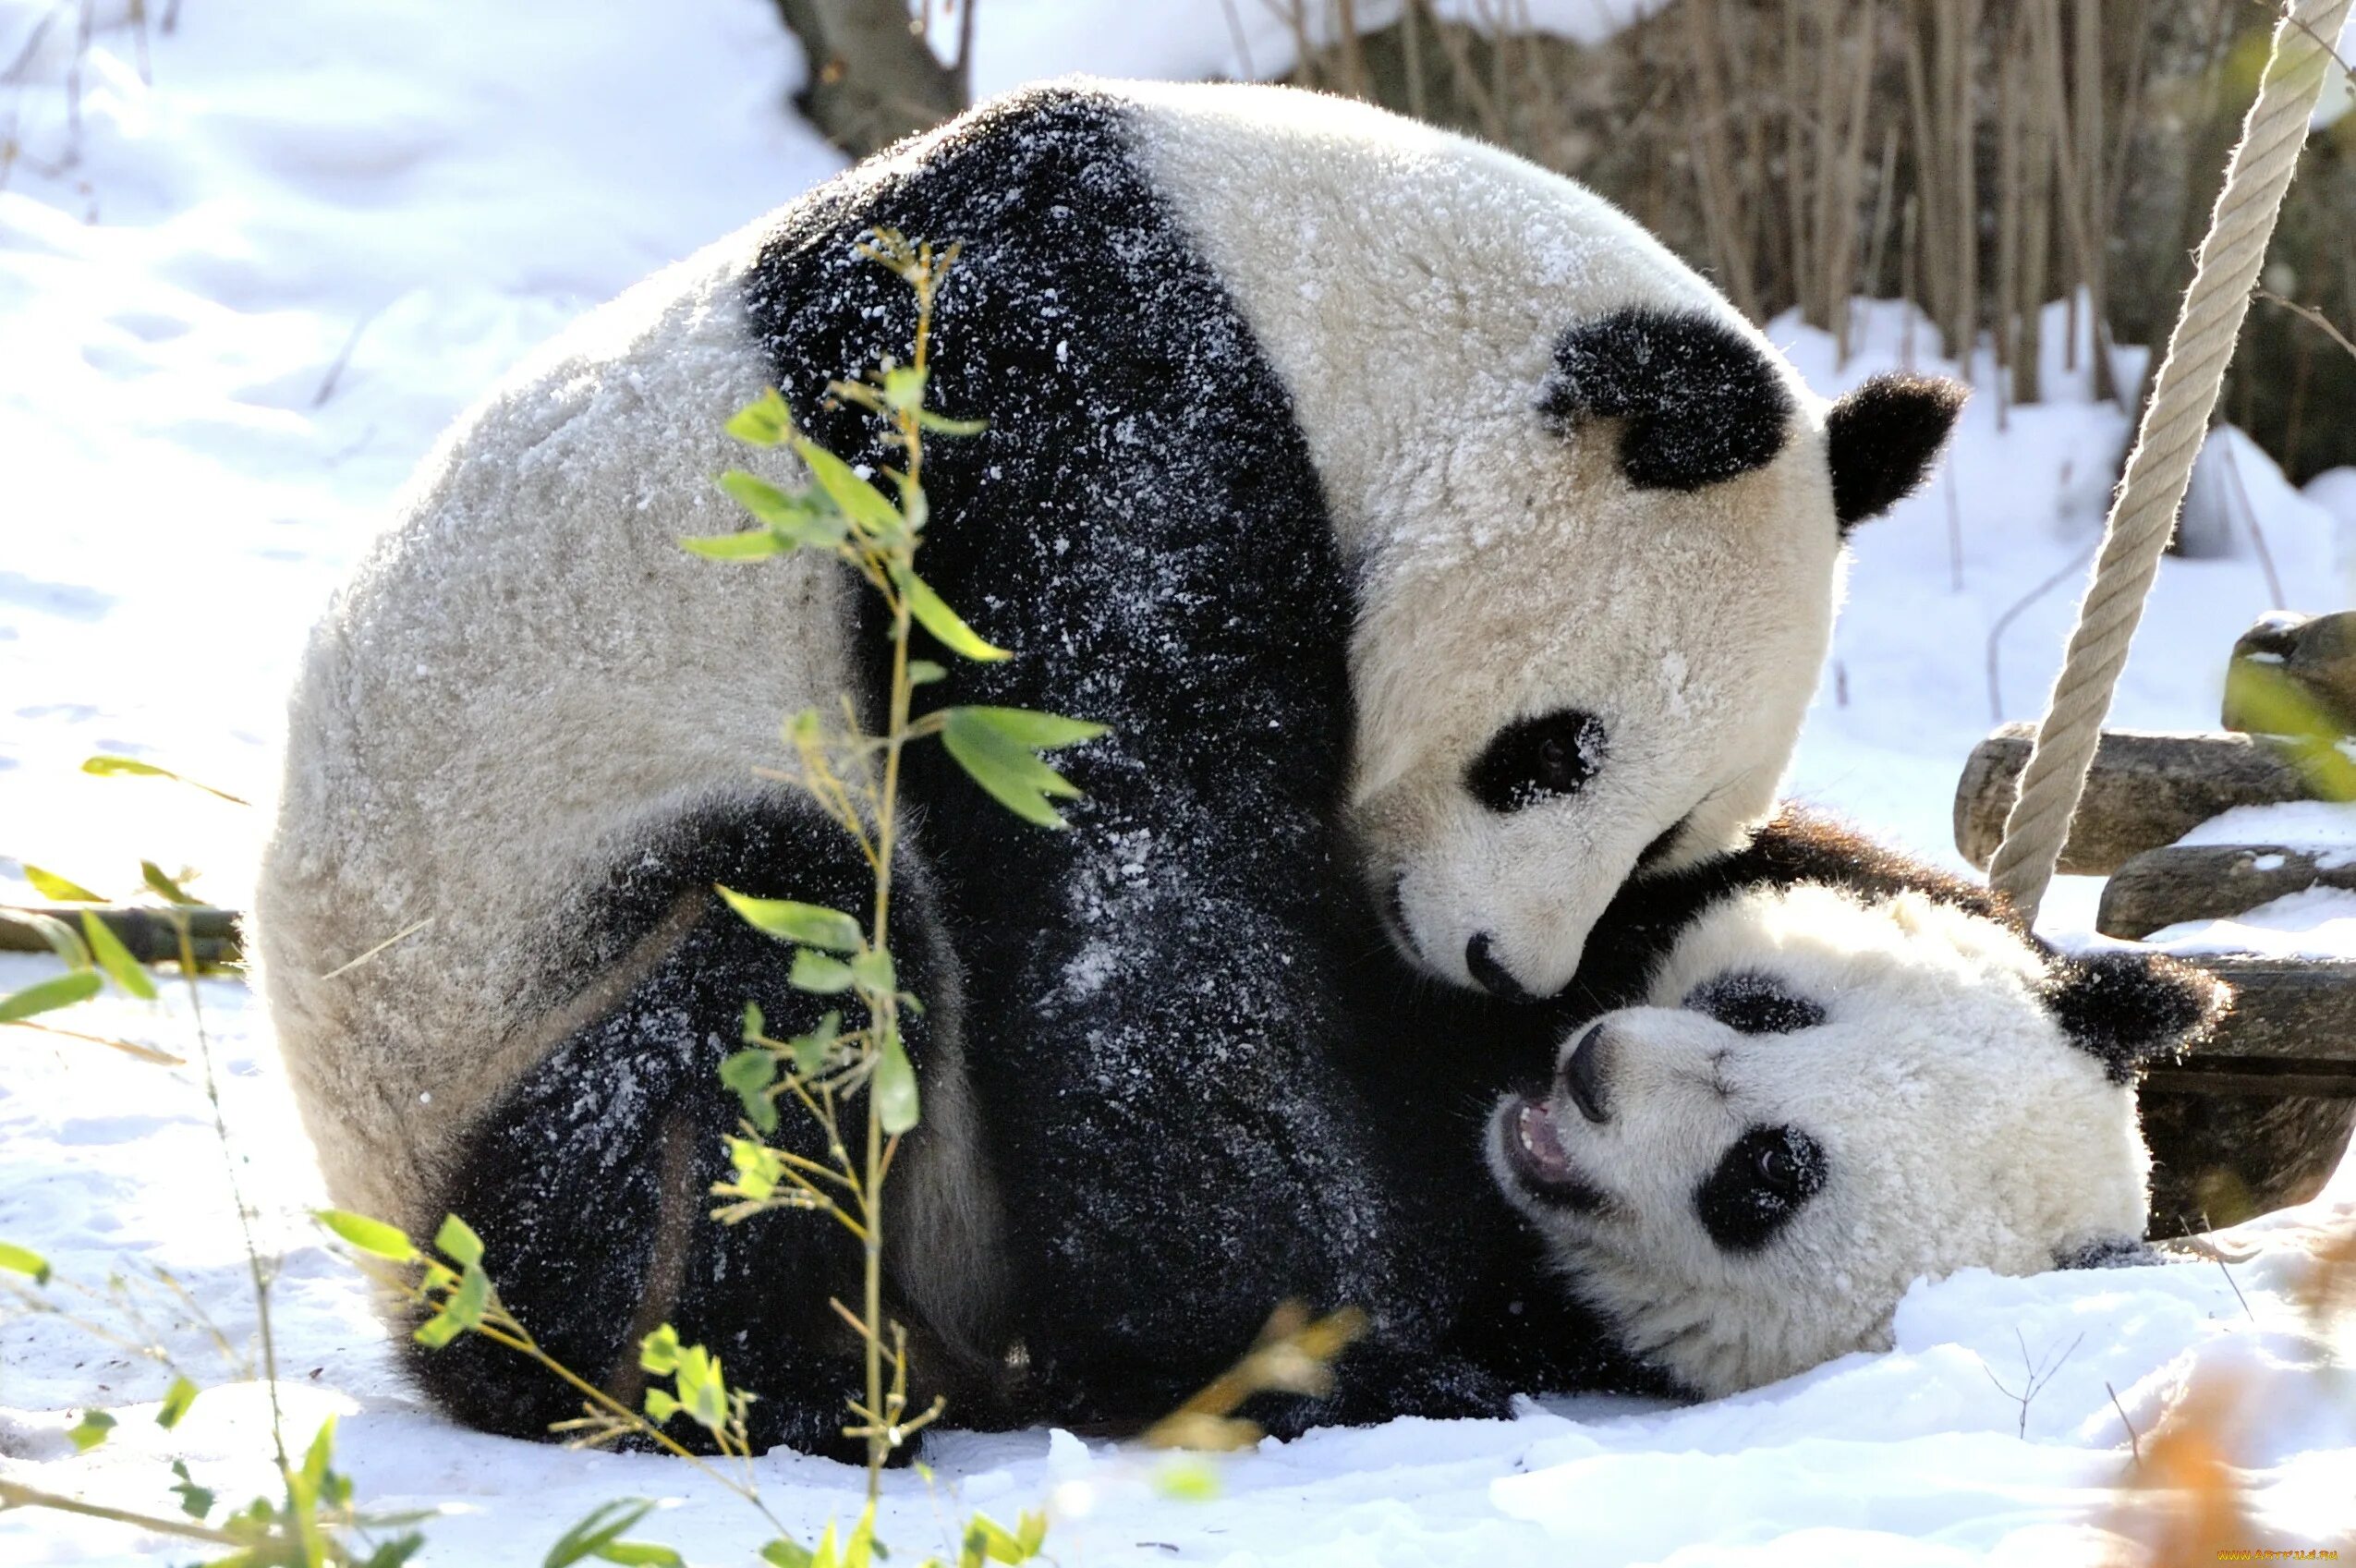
(527, 675)
(1960, 1129)
(1410, 286)
(527, 672)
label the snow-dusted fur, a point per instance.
(1411, 286)
(1327, 456)
(525, 678)
(1824, 1096)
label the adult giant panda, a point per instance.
(1366, 480)
(1827, 1072)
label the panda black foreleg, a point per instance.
(590, 1182)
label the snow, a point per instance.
(237, 307)
(2325, 828)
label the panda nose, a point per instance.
(1582, 1075)
(1487, 973)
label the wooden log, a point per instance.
(2147, 788)
(2315, 655)
(2210, 881)
(2284, 1011)
(2219, 1159)
(147, 932)
(2259, 1117)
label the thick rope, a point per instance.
(2143, 511)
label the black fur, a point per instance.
(1762, 1182)
(2112, 1252)
(1882, 438)
(1701, 404)
(1640, 925)
(2125, 1008)
(1534, 760)
(1150, 994)
(1755, 1004)
(563, 1179)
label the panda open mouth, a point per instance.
(1533, 1152)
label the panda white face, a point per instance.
(1594, 518)
(1647, 726)
(1824, 1099)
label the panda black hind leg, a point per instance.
(591, 1182)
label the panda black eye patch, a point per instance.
(1754, 1004)
(1534, 759)
(1764, 1179)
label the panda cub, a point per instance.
(1824, 1091)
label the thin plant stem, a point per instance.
(254, 1269)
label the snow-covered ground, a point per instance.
(237, 305)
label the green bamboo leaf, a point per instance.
(817, 973)
(703, 1390)
(601, 1526)
(859, 1550)
(924, 671)
(196, 1502)
(1187, 1481)
(372, 1236)
(811, 924)
(47, 996)
(896, 1088)
(866, 506)
(943, 622)
(765, 421)
(24, 1260)
(63, 940)
(872, 971)
(986, 1538)
(753, 544)
(811, 1050)
(106, 766)
(658, 1352)
(904, 388)
(91, 1431)
(762, 499)
(176, 1400)
(51, 885)
(659, 1406)
(456, 1240)
(941, 424)
(116, 959)
(642, 1552)
(749, 1073)
(465, 1306)
(1012, 774)
(759, 1168)
(784, 1554)
(152, 874)
(393, 1554)
(1039, 732)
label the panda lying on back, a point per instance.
(1840, 1071)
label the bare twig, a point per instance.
(2135, 1440)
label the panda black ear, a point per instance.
(1701, 403)
(2124, 1008)
(1883, 438)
